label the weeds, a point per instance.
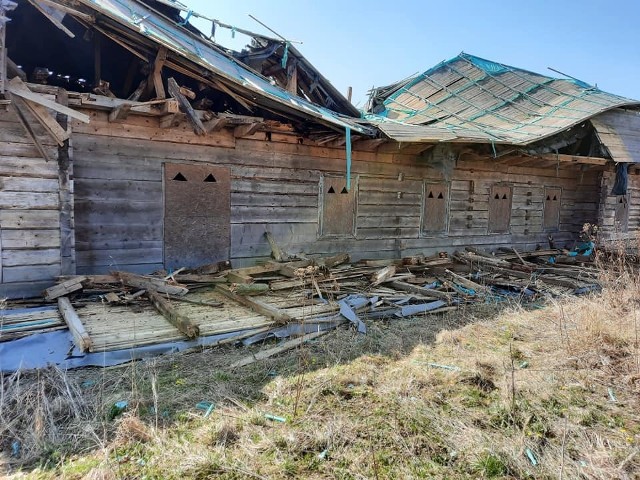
(362, 407)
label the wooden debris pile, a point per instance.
(297, 296)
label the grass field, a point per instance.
(486, 392)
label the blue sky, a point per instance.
(361, 44)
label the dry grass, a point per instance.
(461, 396)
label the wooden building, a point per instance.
(130, 141)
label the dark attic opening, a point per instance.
(85, 50)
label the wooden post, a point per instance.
(80, 336)
(5, 6)
(155, 78)
(65, 194)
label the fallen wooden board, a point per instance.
(428, 292)
(19, 88)
(150, 283)
(256, 305)
(181, 322)
(288, 345)
(61, 289)
(81, 338)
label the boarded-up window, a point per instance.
(500, 208)
(551, 214)
(196, 215)
(621, 217)
(338, 206)
(436, 207)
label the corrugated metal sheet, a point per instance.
(141, 20)
(501, 104)
(619, 131)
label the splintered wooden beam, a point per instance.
(149, 283)
(246, 130)
(215, 124)
(257, 306)
(49, 123)
(168, 311)
(52, 19)
(174, 91)
(19, 88)
(64, 288)
(119, 113)
(277, 253)
(574, 159)
(27, 126)
(155, 78)
(284, 346)
(81, 338)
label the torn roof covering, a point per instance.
(144, 21)
(470, 99)
(619, 131)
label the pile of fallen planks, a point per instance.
(301, 296)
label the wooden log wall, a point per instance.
(275, 187)
(613, 225)
(30, 239)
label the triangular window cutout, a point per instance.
(555, 198)
(440, 195)
(549, 198)
(504, 196)
(179, 177)
(331, 190)
(210, 178)
(344, 190)
(430, 194)
(497, 197)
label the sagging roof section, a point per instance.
(472, 99)
(619, 131)
(131, 21)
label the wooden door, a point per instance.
(197, 215)
(338, 206)
(435, 208)
(551, 213)
(500, 209)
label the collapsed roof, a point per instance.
(146, 28)
(470, 99)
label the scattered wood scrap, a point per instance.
(297, 293)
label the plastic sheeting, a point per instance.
(57, 348)
(621, 181)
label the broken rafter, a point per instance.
(19, 88)
(155, 77)
(27, 126)
(174, 91)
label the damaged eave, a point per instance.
(140, 28)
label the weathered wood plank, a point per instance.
(81, 338)
(29, 239)
(30, 273)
